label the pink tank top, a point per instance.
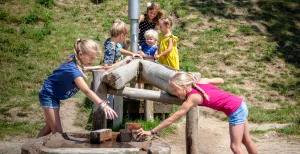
(219, 100)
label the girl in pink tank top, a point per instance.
(204, 92)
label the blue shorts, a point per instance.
(47, 100)
(239, 116)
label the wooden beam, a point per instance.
(100, 88)
(148, 105)
(146, 94)
(118, 108)
(118, 77)
(191, 128)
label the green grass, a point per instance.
(257, 46)
(12, 128)
(149, 125)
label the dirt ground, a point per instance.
(213, 136)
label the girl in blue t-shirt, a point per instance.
(67, 80)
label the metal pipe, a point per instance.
(134, 16)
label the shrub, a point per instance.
(46, 3)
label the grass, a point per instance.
(248, 47)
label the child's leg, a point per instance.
(44, 131)
(236, 136)
(53, 119)
(247, 141)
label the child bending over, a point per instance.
(203, 92)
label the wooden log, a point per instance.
(191, 128)
(118, 77)
(156, 74)
(100, 88)
(148, 105)
(146, 94)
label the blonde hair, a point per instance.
(85, 46)
(182, 79)
(167, 21)
(118, 27)
(156, 7)
(151, 33)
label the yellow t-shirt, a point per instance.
(171, 59)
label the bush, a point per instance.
(46, 3)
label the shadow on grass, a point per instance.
(280, 18)
(97, 1)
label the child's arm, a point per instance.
(214, 81)
(90, 68)
(81, 84)
(117, 64)
(168, 50)
(192, 100)
(128, 53)
(142, 18)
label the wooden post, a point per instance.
(148, 105)
(191, 128)
(100, 88)
(118, 108)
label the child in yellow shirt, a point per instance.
(167, 49)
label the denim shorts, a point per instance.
(239, 116)
(47, 100)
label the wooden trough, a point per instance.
(113, 82)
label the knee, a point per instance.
(236, 149)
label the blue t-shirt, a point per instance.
(112, 52)
(149, 51)
(60, 84)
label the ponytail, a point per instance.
(183, 79)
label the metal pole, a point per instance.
(134, 16)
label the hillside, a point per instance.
(253, 45)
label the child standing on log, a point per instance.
(118, 32)
(167, 48)
(66, 81)
(149, 20)
(203, 92)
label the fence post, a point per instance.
(148, 105)
(191, 128)
(100, 88)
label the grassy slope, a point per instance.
(253, 46)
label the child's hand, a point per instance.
(137, 55)
(109, 112)
(156, 56)
(128, 59)
(126, 44)
(143, 133)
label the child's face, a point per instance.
(150, 40)
(152, 14)
(163, 27)
(178, 91)
(88, 58)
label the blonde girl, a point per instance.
(149, 20)
(204, 92)
(167, 48)
(66, 81)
